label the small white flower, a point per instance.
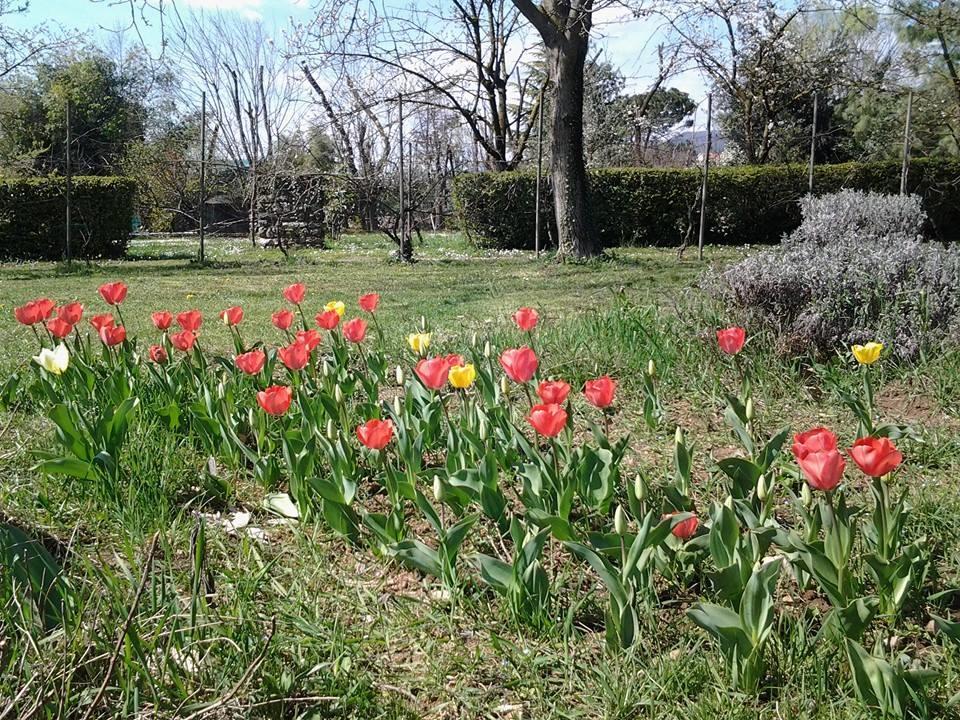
(53, 361)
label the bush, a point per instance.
(33, 217)
(644, 206)
(855, 270)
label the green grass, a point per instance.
(357, 637)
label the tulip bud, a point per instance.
(504, 387)
(337, 394)
(438, 488)
(749, 411)
(397, 407)
(399, 375)
(486, 349)
(330, 429)
(762, 488)
(619, 521)
(640, 488)
(678, 436)
(651, 368)
(473, 340)
(482, 430)
(806, 497)
(423, 323)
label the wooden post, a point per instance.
(536, 221)
(905, 168)
(203, 172)
(69, 172)
(703, 189)
(813, 145)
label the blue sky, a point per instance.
(628, 44)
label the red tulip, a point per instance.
(553, 392)
(46, 307)
(191, 320)
(184, 340)
(455, 359)
(310, 338)
(685, 529)
(526, 318)
(295, 293)
(71, 313)
(111, 335)
(599, 392)
(282, 319)
(275, 399)
(548, 420)
(113, 293)
(59, 327)
(101, 321)
(29, 314)
(375, 434)
(162, 319)
(294, 356)
(251, 362)
(520, 364)
(158, 354)
(731, 340)
(818, 439)
(817, 455)
(369, 302)
(355, 330)
(328, 319)
(232, 315)
(876, 456)
(433, 372)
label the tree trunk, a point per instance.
(575, 231)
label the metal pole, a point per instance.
(536, 222)
(403, 211)
(703, 189)
(813, 144)
(905, 169)
(67, 253)
(409, 225)
(203, 171)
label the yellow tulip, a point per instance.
(867, 354)
(54, 361)
(337, 306)
(419, 342)
(462, 376)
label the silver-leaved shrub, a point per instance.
(857, 269)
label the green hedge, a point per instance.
(33, 217)
(647, 206)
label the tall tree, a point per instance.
(564, 28)
(106, 115)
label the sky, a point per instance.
(629, 44)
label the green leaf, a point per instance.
(67, 466)
(418, 556)
(496, 573)
(600, 566)
(28, 564)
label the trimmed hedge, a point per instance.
(33, 217)
(652, 206)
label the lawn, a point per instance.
(278, 619)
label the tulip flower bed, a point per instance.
(480, 478)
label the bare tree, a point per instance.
(21, 48)
(465, 56)
(252, 94)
